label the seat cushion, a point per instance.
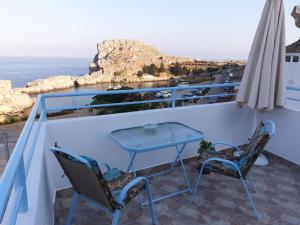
(117, 179)
(222, 167)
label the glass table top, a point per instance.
(155, 136)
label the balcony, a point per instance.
(221, 200)
(41, 195)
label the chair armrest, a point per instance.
(223, 161)
(226, 144)
(130, 185)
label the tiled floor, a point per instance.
(220, 201)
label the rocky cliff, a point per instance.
(121, 60)
(12, 102)
(116, 61)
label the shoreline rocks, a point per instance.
(49, 84)
(12, 102)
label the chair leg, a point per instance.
(149, 195)
(72, 208)
(252, 183)
(197, 182)
(250, 197)
(116, 216)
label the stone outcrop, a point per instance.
(12, 102)
(121, 60)
(49, 84)
(116, 61)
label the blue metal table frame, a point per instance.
(134, 145)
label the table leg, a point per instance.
(179, 152)
(131, 166)
(178, 158)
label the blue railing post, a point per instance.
(20, 183)
(43, 114)
(173, 96)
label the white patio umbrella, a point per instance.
(262, 86)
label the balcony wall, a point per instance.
(90, 136)
(285, 143)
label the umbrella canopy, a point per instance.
(296, 15)
(262, 86)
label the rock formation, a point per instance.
(49, 84)
(121, 60)
(116, 61)
(12, 102)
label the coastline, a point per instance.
(127, 62)
(21, 113)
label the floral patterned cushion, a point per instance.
(249, 154)
(219, 167)
(117, 179)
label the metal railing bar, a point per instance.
(293, 88)
(31, 151)
(136, 102)
(107, 105)
(293, 99)
(205, 96)
(16, 157)
(87, 93)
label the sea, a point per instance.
(21, 70)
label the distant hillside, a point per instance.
(294, 47)
(133, 61)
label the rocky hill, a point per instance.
(294, 47)
(121, 60)
(116, 61)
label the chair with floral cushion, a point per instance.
(237, 161)
(110, 191)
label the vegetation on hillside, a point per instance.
(178, 70)
(117, 98)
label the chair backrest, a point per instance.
(257, 143)
(85, 176)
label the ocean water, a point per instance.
(21, 70)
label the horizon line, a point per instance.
(91, 57)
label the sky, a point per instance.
(211, 29)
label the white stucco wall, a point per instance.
(90, 136)
(292, 78)
(286, 141)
